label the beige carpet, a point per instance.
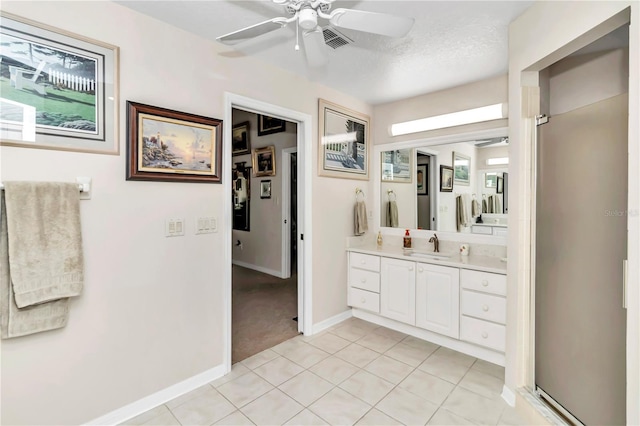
(263, 309)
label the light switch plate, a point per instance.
(206, 225)
(174, 227)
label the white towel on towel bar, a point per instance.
(360, 218)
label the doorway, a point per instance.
(303, 279)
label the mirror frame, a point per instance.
(426, 143)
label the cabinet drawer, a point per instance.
(365, 280)
(364, 261)
(499, 231)
(483, 281)
(364, 300)
(475, 229)
(482, 333)
(483, 306)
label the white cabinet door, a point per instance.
(398, 290)
(437, 299)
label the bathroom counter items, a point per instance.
(474, 262)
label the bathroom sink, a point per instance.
(429, 255)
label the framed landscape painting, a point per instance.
(58, 90)
(344, 142)
(167, 145)
(268, 125)
(461, 168)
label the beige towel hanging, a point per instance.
(360, 219)
(392, 214)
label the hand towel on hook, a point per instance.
(360, 218)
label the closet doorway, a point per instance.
(267, 300)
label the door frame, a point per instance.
(304, 144)
(285, 271)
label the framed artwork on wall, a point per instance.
(265, 189)
(59, 90)
(344, 142)
(268, 125)
(500, 185)
(167, 145)
(461, 168)
(422, 179)
(240, 139)
(446, 178)
(396, 165)
(263, 161)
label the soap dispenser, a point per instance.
(407, 239)
(379, 239)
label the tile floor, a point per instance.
(354, 373)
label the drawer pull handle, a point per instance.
(363, 300)
(363, 280)
(485, 308)
(420, 269)
(485, 283)
(411, 268)
(485, 335)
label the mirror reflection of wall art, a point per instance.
(59, 90)
(396, 165)
(265, 189)
(490, 180)
(167, 145)
(264, 161)
(461, 168)
(446, 178)
(422, 179)
(240, 139)
(500, 188)
(344, 142)
(268, 125)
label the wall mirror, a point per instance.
(477, 204)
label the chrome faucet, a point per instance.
(435, 242)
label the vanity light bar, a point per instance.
(475, 115)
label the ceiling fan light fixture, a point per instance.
(308, 19)
(469, 116)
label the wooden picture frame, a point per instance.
(240, 143)
(268, 125)
(265, 189)
(59, 89)
(172, 146)
(344, 147)
(263, 161)
(422, 179)
(446, 178)
(461, 168)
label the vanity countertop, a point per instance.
(475, 262)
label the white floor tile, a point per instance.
(234, 419)
(305, 355)
(443, 417)
(426, 386)
(367, 387)
(329, 343)
(454, 356)
(496, 371)
(474, 407)
(338, 407)
(389, 369)
(357, 355)
(445, 368)
(420, 344)
(204, 409)
(392, 334)
(482, 383)
(278, 370)
(407, 407)
(306, 418)
(350, 332)
(152, 416)
(237, 370)
(334, 370)
(377, 342)
(245, 389)
(260, 358)
(377, 418)
(272, 408)
(306, 387)
(187, 396)
(408, 354)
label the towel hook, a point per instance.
(391, 192)
(359, 191)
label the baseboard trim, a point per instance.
(508, 396)
(145, 404)
(258, 268)
(330, 322)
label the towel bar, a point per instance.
(80, 187)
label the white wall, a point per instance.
(262, 244)
(152, 311)
(544, 34)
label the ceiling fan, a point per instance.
(305, 14)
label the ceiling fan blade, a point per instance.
(372, 22)
(253, 31)
(314, 48)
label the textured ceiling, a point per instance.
(451, 43)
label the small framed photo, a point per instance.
(172, 146)
(396, 165)
(422, 179)
(268, 125)
(446, 178)
(344, 142)
(265, 189)
(461, 168)
(263, 161)
(240, 139)
(59, 89)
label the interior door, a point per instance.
(581, 205)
